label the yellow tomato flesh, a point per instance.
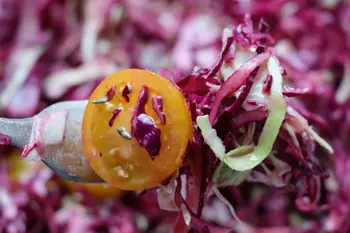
(20, 168)
(124, 163)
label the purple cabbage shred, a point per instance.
(143, 127)
(157, 105)
(126, 91)
(114, 116)
(111, 92)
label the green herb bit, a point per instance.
(122, 132)
(101, 100)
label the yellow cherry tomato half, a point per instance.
(19, 168)
(99, 191)
(121, 160)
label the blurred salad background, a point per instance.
(55, 50)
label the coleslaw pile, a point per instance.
(267, 87)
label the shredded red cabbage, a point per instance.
(143, 127)
(157, 105)
(126, 91)
(224, 52)
(114, 116)
(267, 84)
(111, 92)
(236, 80)
(294, 92)
(234, 108)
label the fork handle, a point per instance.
(18, 129)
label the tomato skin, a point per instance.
(19, 168)
(124, 163)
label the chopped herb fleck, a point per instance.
(108, 97)
(126, 91)
(115, 114)
(100, 100)
(122, 131)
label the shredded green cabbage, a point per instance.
(225, 176)
(210, 136)
(242, 150)
(277, 110)
(247, 157)
(303, 123)
(320, 140)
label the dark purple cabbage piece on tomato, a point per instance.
(157, 105)
(115, 113)
(147, 134)
(143, 127)
(126, 91)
